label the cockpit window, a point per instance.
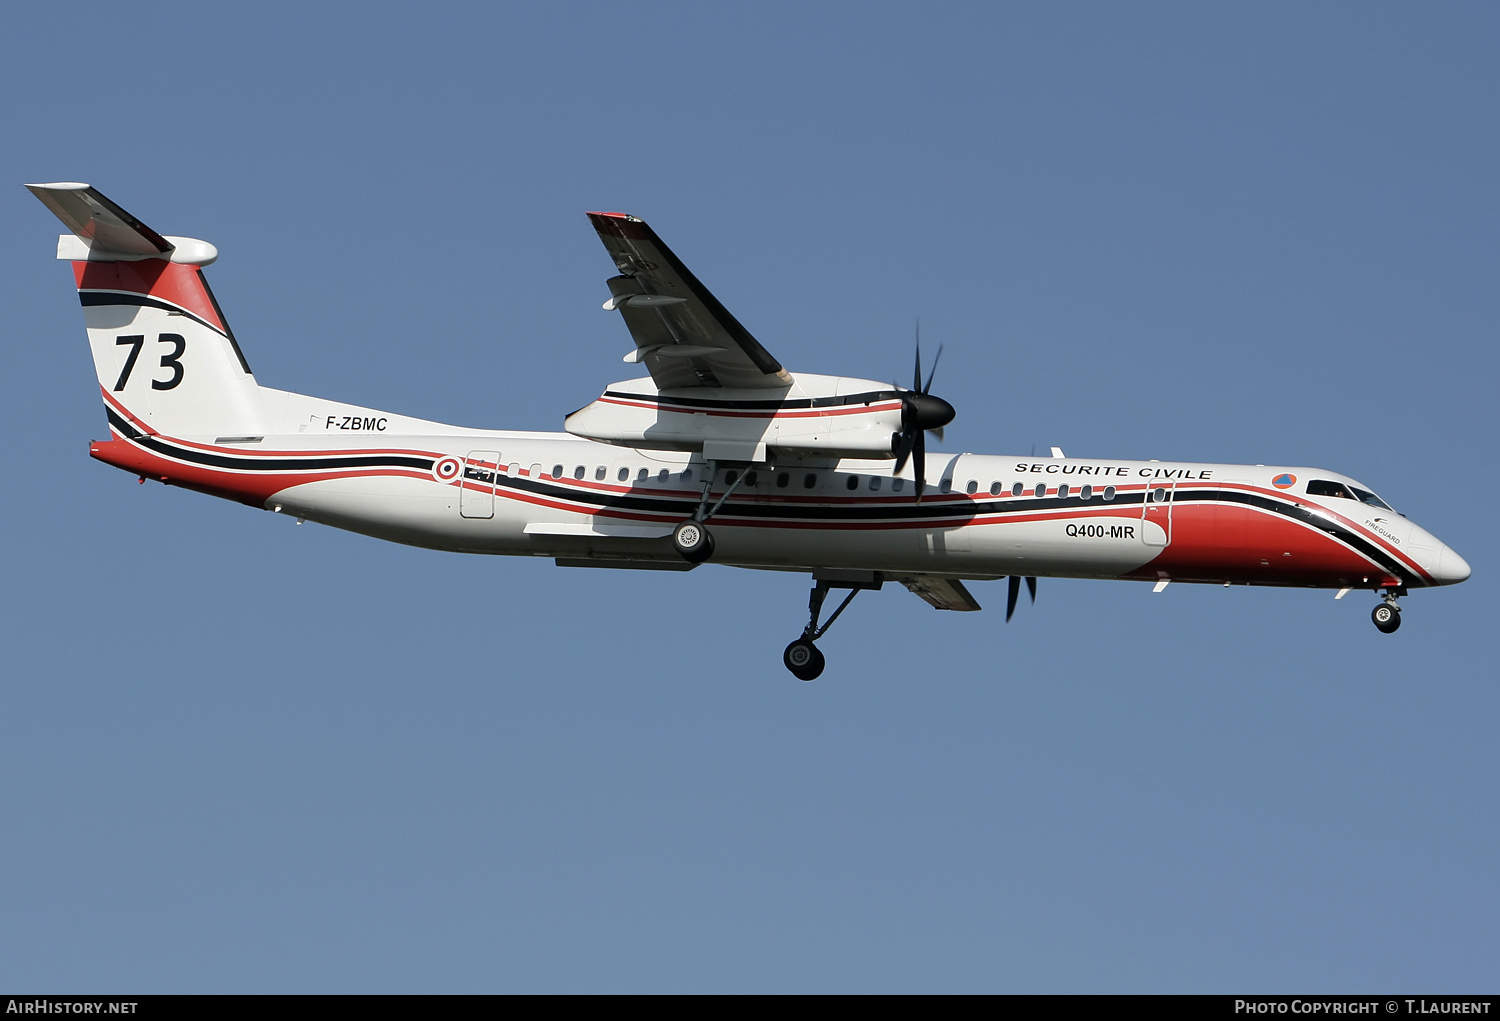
(1322, 487)
(1365, 496)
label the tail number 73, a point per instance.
(171, 360)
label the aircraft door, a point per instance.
(477, 497)
(1156, 513)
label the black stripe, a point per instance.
(1297, 512)
(264, 464)
(944, 515)
(941, 515)
(817, 402)
(131, 298)
(953, 515)
(203, 279)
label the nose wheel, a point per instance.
(1387, 616)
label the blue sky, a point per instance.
(240, 755)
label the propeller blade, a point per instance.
(903, 450)
(1031, 587)
(919, 460)
(927, 387)
(1011, 597)
(916, 379)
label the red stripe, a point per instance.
(170, 281)
(254, 490)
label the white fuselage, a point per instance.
(582, 501)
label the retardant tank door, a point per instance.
(1156, 513)
(477, 498)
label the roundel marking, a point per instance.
(1284, 481)
(447, 469)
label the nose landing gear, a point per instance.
(1387, 615)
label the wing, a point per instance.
(943, 593)
(682, 334)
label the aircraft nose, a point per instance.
(1451, 568)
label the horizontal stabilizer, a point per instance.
(103, 232)
(101, 224)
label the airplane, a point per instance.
(719, 454)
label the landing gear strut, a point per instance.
(1387, 615)
(802, 657)
(694, 542)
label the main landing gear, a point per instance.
(693, 541)
(1387, 615)
(802, 657)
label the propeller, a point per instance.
(1014, 594)
(921, 413)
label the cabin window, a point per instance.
(945, 486)
(1365, 496)
(599, 473)
(782, 478)
(751, 478)
(809, 480)
(1041, 490)
(897, 485)
(730, 476)
(1062, 490)
(972, 487)
(1322, 487)
(536, 471)
(1086, 493)
(514, 469)
(874, 483)
(687, 474)
(663, 475)
(643, 475)
(1109, 492)
(624, 474)
(578, 472)
(557, 471)
(994, 489)
(1018, 489)
(853, 482)
(1159, 494)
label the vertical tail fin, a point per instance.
(164, 354)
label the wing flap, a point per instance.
(943, 593)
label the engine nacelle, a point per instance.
(828, 416)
